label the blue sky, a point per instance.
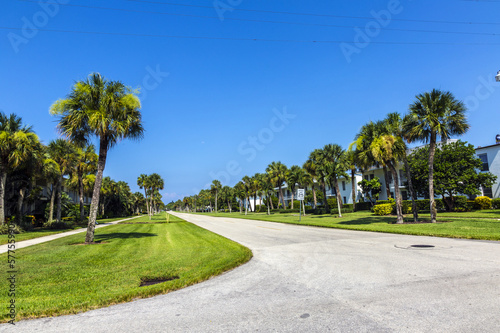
(217, 103)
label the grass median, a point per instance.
(64, 277)
(474, 225)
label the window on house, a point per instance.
(343, 185)
(389, 177)
(372, 176)
(404, 194)
(402, 177)
(345, 200)
(487, 191)
(484, 159)
(392, 194)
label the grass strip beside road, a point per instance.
(62, 277)
(41, 232)
(471, 226)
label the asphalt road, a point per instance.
(305, 279)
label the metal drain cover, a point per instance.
(422, 246)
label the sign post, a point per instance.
(300, 196)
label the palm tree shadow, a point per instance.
(369, 220)
(122, 235)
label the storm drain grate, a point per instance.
(149, 282)
(422, 246)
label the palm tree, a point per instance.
(247, 183)
(215, 188)
(311, 170)
(51, 173)
(227, 196)
(240, 193)
(334, 161)
(395, 125)
(267, 187)
(142, 182)
(154, 183)
(64, 153)
(292, 177)
(17, 143)
(139, 201)
(105, 109)
(432, 115)
(315, 164)
(350, 159)
(277, 171)
(374, 143)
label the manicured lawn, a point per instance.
(61, 277)
(40, 232)
(158, 218)
(472, 225)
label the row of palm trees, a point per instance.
(26, 162)
(152, 184)
(433, 115)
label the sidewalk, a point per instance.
(19, 245)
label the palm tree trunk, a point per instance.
(339, 197)
(146, 196)
(399, 210)
(80, 185)
(268, 205)
(432, 151)
(314, 197)
(3, 182)
(52, 199)
(246, 205)
(19, 207)
(412, 191)
(325, 203)
(293, 190)
(282, 198)
(229, 206)
(269, 198)
(59, 198)
(353, 185)
(103, 152)
(387, 185)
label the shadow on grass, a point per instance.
(370, 220)
(122, 235)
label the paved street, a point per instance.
(305, 279)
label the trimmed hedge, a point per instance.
(495, 203)
(382, 209)
(483, 202)
(363, 205)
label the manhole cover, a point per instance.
(422, 246)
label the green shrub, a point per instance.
(332, 202)
(335, 211)
(495, 203)
(382, 209)
(15, 229)
(363, 206)
(54, 225)
(296, 203)
(483, 202)
(320, 211)
(295, 210)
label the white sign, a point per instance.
(301, 193)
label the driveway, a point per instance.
(306, 279)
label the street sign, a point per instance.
(301, 193)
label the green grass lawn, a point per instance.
(474, 225)
(40, 232)
(61, 277)
(158, 218)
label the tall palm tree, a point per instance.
(395, 124)
(17, 143)
(333, 159)
(247, 183)
(311, 170)
(267, 188)
(227, 196)
(142, 182)
(155, 183)
(277, 171)
(292, 178)
(239, 193)
(51, 173)
(351, 161)
(108, 110)
(435, 114)
(64, 153)
(315, 164)
(215, 188)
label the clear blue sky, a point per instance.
(221, 90)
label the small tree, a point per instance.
(371, 189)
